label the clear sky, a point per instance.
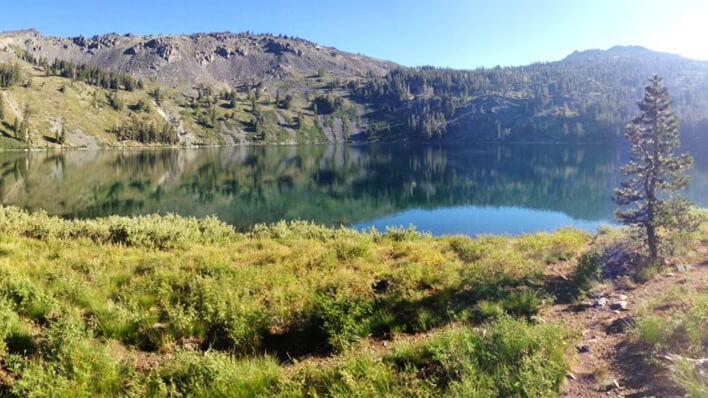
(455, 33)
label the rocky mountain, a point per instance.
(208, 58)
(226, 88)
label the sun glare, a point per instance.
(687, 36)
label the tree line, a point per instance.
(586, 97)
(146, 132)
(93, 75)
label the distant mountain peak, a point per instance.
(618, 51)
(629, 50)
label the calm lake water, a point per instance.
(445, 190)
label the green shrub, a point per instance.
(676, 324)
(349, 250)
(523, 302)
(469, 250)
(510, 358)
(115, 306)
(146, 231)
(682, 325)
(684, 373)
(343, 321)
(194, 374)
(73, 365)
(489, 310)
(15, 335)
(589, 270)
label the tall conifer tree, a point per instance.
(655, 173)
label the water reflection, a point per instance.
(487, 189)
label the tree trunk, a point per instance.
(651, 241)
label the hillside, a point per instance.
(225, 88)
(588, 96)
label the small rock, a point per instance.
(620, 305)
(571, 376)
(684, 267)
(622, 297)
(584, 349)
(702, 370)
(669, 274)
(586, 303)
(601, 302)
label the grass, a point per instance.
(75, 100)
(676, 324)
(56, 101)
(504, 358)
(172, 306)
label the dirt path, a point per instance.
(605, 364)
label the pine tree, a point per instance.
(288, 102)
(654, 170)
(2, 114)
(17, 128)
(61, 135)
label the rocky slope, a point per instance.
(210, 58)
(225, 88)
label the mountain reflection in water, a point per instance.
(472, 189)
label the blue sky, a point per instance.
(455, 33)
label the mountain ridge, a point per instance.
(241, 88)
(148, 55)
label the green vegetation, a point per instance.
(676, 325)
(89, 74)
(618, 252)
(29, 117)
(333, 96)
(168, 306)
(146, 132)
(654, 171)
(10, 74)
(586, 97)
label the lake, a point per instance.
(500, 189)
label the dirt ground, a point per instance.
(605, 364)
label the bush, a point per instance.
(146, 231)
(523, 302)
(510, 358)
(15, 335)
(343, 321)
(173, 306)
(469, 250)
(212, 375)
